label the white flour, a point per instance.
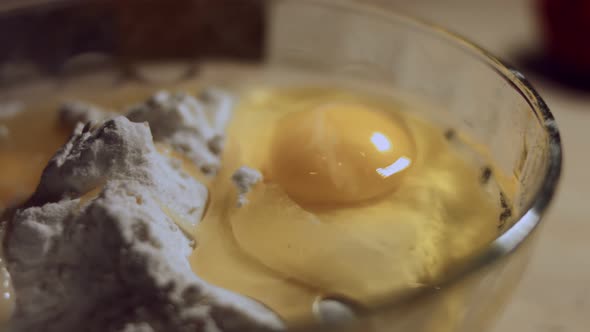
(194, 127)
(119, 262)
(244, 178)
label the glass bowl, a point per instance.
(54, 46)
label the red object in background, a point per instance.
(566, 28)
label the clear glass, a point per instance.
(46, 45)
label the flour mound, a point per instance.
(95, 249)
(244, 178)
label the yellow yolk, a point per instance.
(339, 153)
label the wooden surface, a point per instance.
(554, 295)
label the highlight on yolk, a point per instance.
(339, 153)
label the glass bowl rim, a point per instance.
(529, 221)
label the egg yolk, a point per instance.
(339, 153)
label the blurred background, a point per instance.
(547, 39)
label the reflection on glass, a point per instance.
(381, 142)
(396, 167)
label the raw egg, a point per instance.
(360, 200)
